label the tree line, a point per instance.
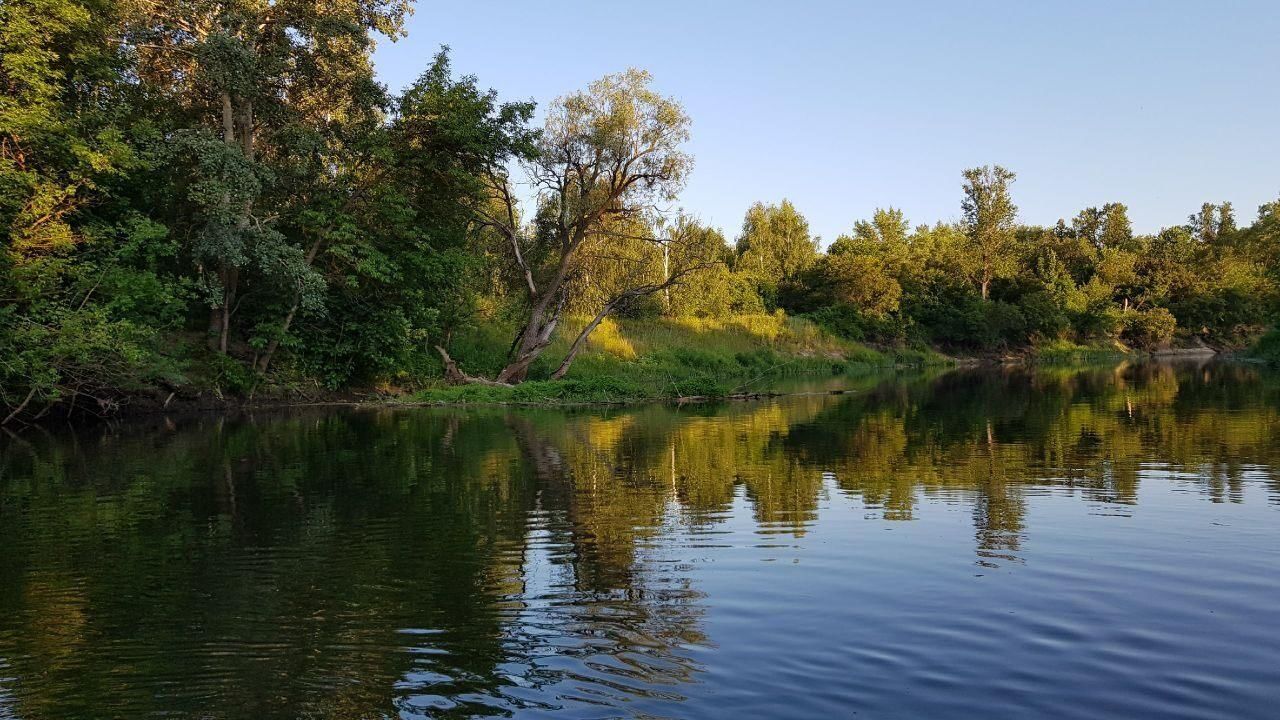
(206, 193)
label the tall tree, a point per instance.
(261, 77)
(775, 241)
(989, 216)
(1204, 225)
(712, 292)
(1226, 219)
(65, 145)
(606, 154)
(886, 231)
(774, 246)
(1117, 231)
(384, 212)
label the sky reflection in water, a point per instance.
(978, 543)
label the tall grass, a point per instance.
(1067, 352)
(632, 359)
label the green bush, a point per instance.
(1267, 348)
(1148, 328)
(1003, 325)
(846, 321)
(1045, 318)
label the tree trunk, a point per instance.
(224, 330)
(22, 406)
(265, 361)
(454, 374)
(543, 318)
(220, 315)
(533, 340)
(228, 119)
(215, 327)
(611, 307)
(228, 306)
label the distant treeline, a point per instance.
(206, 193)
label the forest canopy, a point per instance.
(218, 193)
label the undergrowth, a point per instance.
(629, 359)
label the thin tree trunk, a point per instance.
(611, 307)
(265, 361)
(215, 327)
(247, 139)
(228, 119)
(230, 284)
(666, 276)
(218, 314)
(455, 375)
(580, 341)
(18, 410)
(224, 330)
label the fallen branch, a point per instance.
(454, 374)
(18, 411)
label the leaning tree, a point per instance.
(606, 158)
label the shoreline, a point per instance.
(142, 405)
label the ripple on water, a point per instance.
(995, 544)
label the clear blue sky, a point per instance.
(843, 107)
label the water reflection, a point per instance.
(486, 562)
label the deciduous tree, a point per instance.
(606, 154)
(989, 217)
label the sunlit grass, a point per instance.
(608, 339)
(631, 359)
(1065, 351)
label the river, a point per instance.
(975, 543)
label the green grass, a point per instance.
(1065, 351)
(632, 359)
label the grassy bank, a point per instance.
(629, 360)
(1067, 352)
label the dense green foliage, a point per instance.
(988, 286)
(186, 191)
(1267, 349)
(214, 194)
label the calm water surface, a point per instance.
(1096, 543)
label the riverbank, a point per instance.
(626, 361)
(665, 359)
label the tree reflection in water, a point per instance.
(470, 562)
